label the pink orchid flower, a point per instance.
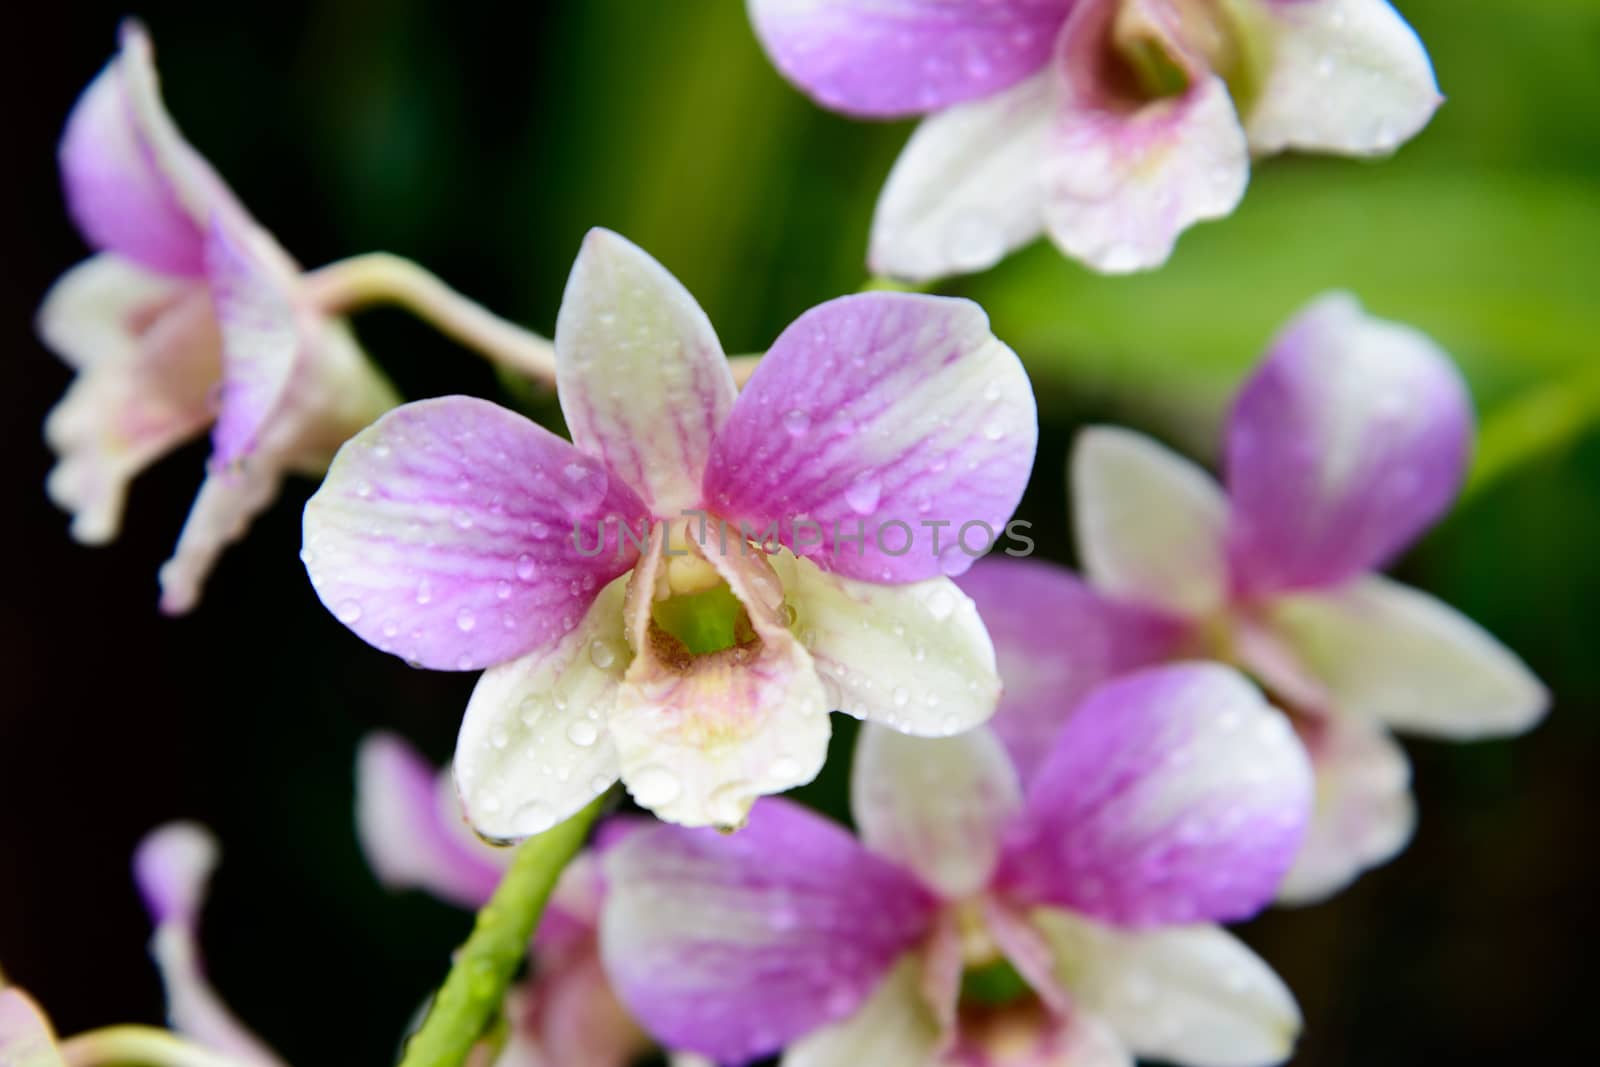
(978, 922)
(1346, 443)
(190, 315)
(415, 837)
(1111, 125)
(700, 668)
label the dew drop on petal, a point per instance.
(602, 655)
(863, 494)
(583, 733)
(424, 591)
(796, 423)
(349, 612)
(466, 620)
(654, 786)
(526, 568)
(502, 590)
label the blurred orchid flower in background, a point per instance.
(1345, 444)
(1111, 125)
(453, 533)
(983, 922)
(189, 315)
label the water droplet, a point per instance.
(654, 787)
(863, 494)
(602, 655)
(994, 431)
(462, 520)
(502, 590)
(363, 489)
(465, 620)
(499, 739)
(424, 591)
(349, 612)
(973, 242)
(583, 733)
(940, 603)
(900, 697)
(526, 568)
(796, 423)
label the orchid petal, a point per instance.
(1055, 639)
(1123, 179)
(452, 532)
(412, 830)
(895, 1027)
(147, 354)
(892, 416)
(1394, 655)
(1192, 995)
(567, 1014)
(1347, 76)
(534, 746)
(735, 945)
(228, 502)
(966, 189)
(1364, 812)
(1029, 1035)
(642, 378)
(935, 807)
(133, 185)
(894, 58)
(913, 657)
(1347, 442)
(172, 866)
(701, 737)
(1174, 794)
(1150, 524)
(26, 1037)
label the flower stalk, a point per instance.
(145, 1046)
(484, 965)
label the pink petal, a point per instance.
(894, 1027)
(892, 423)
(1124, 177)
(568, 1014)
(228, 502)
(26, 1039)
(892, 58)
(733, 946)
(1347, 442)
(133, 186)
(412, 830)
(1056, 639)
(1173, 795)
(453, 533)
(643, 380)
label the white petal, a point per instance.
(915, 657)
(1363, 814)
(894, 1028)
(935, 806)
(1193, 995)
(228, 502)
(534, 746)
(90, 313)
(26, 1038)
(1347, 76)
(1397, 655)
(1150, 524)
(966, 189)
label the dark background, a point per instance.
(484, 145)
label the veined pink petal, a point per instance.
(733, 946)
(147, 354)
(413, 832)
(26, 1039)
(1056, 639)
(1174, 794)
(937, 807)
(1364, 812)
(172, 866)
(893, 58)
(895, 1027)
(1193, 995)
(913, 657)
(895, 424)
(458, 534)
(1346, 443)
(1347, 76)
(643, 380)
(1124, 177)
(133, 185)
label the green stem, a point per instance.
(1541, 421)
(476, 985)
(146, 1046)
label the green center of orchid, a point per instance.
(993, 984)
(699, 610)
(1159, 46)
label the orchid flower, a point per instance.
(699, 668)
(1111, 125)
(189, 315)
(980, 923)
(1344, 445)
(172, 867)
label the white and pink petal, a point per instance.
(26, 1037)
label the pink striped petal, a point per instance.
(896, 424)
(643, 380)
(935, 806)
(412, 830)
(893, 58)
(133, 185)
(26, 1039)
(1125, 176)
(734, 945)
(1173, 795)
(1347, 442)
(455, 533)
(1056, 639)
